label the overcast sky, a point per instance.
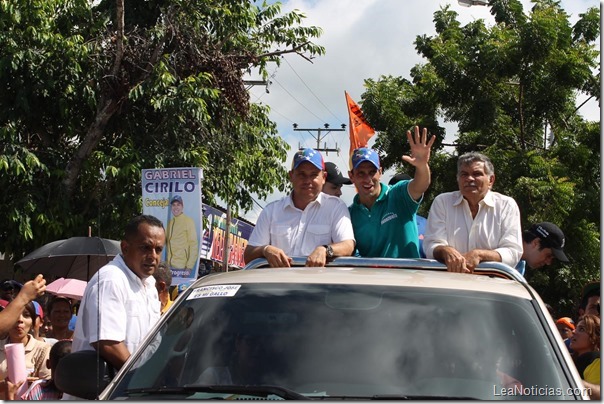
(363, 39)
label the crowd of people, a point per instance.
(132, 300)
(124, 298)
(581, 335)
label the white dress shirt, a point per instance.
(298, 232)
(117, 306)
(496, 226)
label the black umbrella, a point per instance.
(75, 257)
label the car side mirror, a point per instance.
(83, 374)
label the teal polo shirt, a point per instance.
(388, 229)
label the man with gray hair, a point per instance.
(474, 224)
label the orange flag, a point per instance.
(360, 131)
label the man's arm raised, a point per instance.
(420, 156)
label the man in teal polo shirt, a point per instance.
(383, 217)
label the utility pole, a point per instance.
(325, 131)
(227, 245)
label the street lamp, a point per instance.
(470, 3)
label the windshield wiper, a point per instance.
(252, 390)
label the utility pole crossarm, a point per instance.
(321, 133)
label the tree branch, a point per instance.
(107, 106)
(93, 136)
(119, 55)
(295, 49)
(521, 115)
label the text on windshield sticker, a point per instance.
(214, 291)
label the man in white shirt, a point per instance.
(120, 303)
(474, 224)
(305, 223)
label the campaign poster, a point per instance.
(173, 195)
(239, 233)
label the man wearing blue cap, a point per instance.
(383, 217)
(305, 223)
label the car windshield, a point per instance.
(347, 341)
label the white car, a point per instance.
(356, 329)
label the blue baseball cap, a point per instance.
(176, 198)
(365, 154)
(310, 155)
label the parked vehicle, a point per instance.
(356, 329)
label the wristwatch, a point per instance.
(329, 250)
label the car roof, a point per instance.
(419, 278)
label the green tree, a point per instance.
(93, 92)
(511, 89)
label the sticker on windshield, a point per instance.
(214, 291)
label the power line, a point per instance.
(312, 92)
(303, 106)
(256, 202)
(326, 131)
(274, 110)
(258, 98)
(283, 116)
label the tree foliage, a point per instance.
(512, 90)
(93, 92)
